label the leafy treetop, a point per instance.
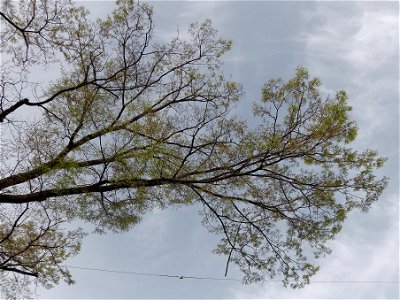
(132, 124)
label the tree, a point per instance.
(132, 124)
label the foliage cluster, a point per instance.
(132, 124)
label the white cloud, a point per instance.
(374, 44)
(361, 36)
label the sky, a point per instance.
(349, 45)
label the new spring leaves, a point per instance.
(133, 123)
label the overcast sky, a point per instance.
(349, 45)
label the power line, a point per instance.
(218, 278)
(153, 274)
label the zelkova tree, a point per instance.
(132, 124)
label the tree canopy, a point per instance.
(133, 123)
